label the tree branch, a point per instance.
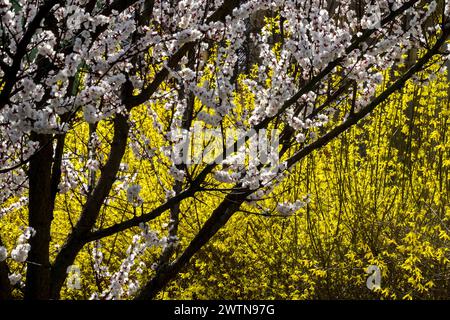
(237, 196)
(218, 219)
(89, 214)
(352, 120)
(208, 168)
(10, 74)
(218, 15)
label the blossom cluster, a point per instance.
(122, 283)
(83, 58)
(77, 63)
(19, 253)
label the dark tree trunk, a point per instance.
(40, 213)
(5, 286)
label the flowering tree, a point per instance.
(99, 100)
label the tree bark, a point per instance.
(5, 286)
(40, 215)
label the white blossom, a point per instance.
(133, 193)
(15, 278)
(3, 253)
(90, 66)
(20, 252)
